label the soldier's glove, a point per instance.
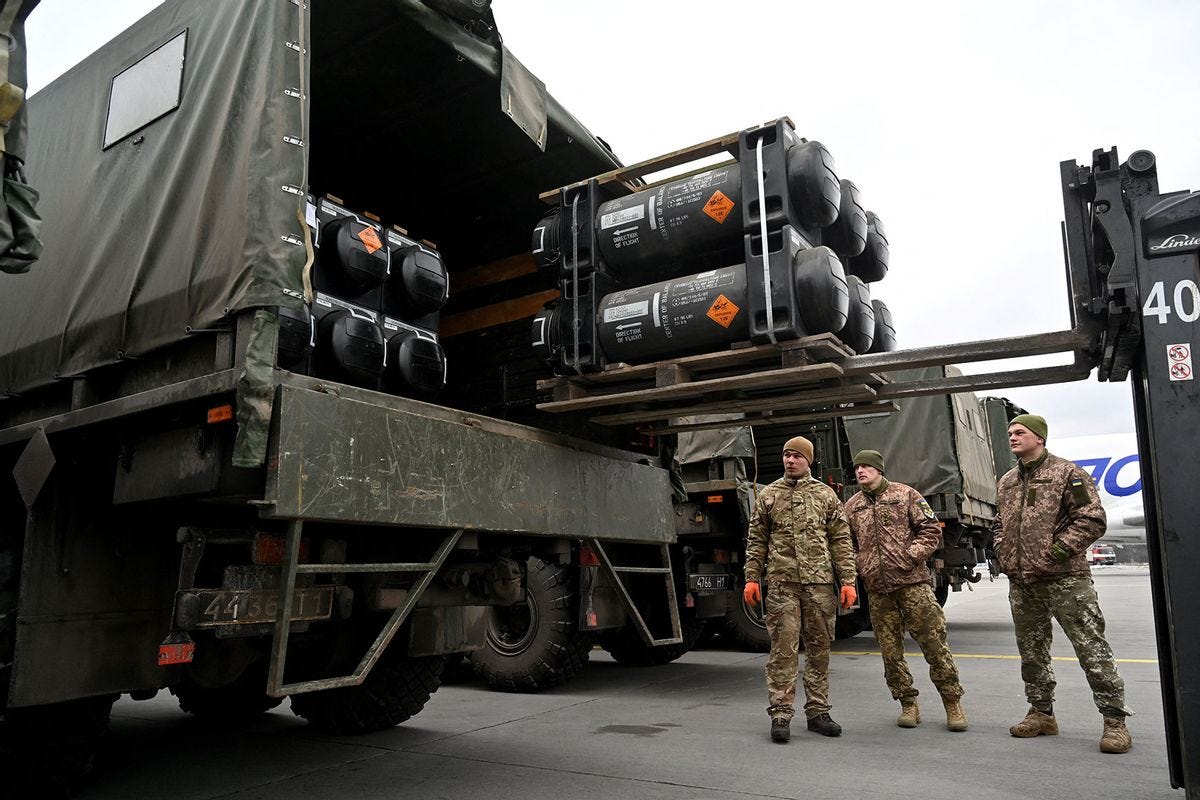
(848, 596)
(1059, 552)
(752, 594)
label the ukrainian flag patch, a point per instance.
(1079, 492)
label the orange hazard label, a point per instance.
(722, 311)
(371, 239)
(718, 207)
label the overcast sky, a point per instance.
(951, 118)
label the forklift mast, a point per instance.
(1133, 257)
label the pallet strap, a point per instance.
(766, 264)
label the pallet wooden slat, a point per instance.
(821, 347)
(624, 175)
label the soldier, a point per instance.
(1049, 515)
(799, 531)
(896, 532)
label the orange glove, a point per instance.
(752, 594)
(849, 596)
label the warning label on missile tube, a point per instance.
(370, 239)
(718, 206)
(722, 311)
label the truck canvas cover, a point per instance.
(937, 444)
(174, 162)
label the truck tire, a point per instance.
(237, 702)
(48, 751)
(626, 647)
(396, 689)
(534, 645)
(745, 623)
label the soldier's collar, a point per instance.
(880, 489)
(794, 482)
(1031, 467)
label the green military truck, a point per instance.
(250, 457)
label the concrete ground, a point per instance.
(693, 729)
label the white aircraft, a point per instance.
(1113, 462)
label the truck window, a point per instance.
(145, 91)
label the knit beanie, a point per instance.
(870, 458)
(800, 445)
(1033, 422)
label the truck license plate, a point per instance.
(700, 582)
(248, 606)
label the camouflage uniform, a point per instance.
(896, 532)
(799, 531)
(1052, 501)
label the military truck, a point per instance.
(229, 479)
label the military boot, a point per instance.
(1036, 723)
(824, 725)
(781, 730)
(1116, 738)
(956, 718)
(910, 714)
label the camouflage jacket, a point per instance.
(896, 533)
(1051, 501)
(798, 529)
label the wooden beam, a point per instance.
(498, 314)
(493, 272)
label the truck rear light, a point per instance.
(178, 648)
(715, 498)
(270, 549)
(588, 556)
(221, 413)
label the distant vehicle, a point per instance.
(1102, 555)
(1113, 461)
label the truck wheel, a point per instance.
(745, 623)
(534, 645)
(626, 647)
(396, 689)
(237, 702)
(48, 751)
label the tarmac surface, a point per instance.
(693, 729)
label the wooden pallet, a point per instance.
(761, 381)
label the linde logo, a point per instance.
(1176, 241)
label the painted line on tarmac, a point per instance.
(988, 655)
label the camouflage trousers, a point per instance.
(1072, 601)
(799, 612)
(913, 609)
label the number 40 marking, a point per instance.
(1186, 302)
